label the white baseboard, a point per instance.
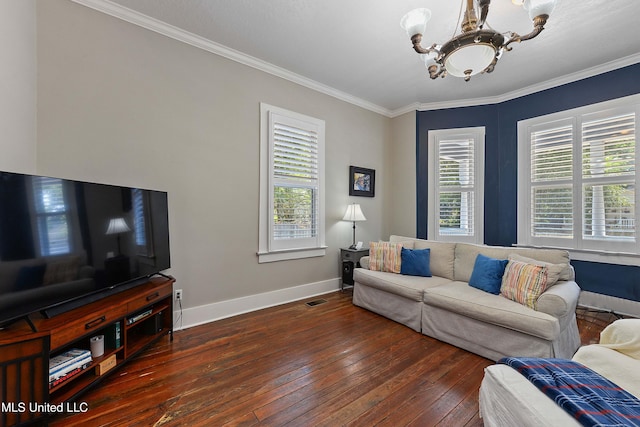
(605, 302)
(221, 310)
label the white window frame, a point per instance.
(477, 135)
(580, 247)
(270, 249)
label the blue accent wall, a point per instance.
(501, 163)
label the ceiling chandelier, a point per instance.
(477, 49)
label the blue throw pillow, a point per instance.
(415, 262)
(487, 274)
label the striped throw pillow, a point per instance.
(523, 283)
(385, 256)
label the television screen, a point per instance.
(64, 240)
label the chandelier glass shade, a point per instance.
(476, 49)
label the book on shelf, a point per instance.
(67, 361)
(68, 375)
(112, 336)
(63, 374)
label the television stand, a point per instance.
(30, 323)
(130, 321)
(26, 318)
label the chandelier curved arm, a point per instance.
(538, 26)
(416, 39)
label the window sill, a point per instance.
(290, 254)
(607, 257)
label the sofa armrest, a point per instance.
(364, 262)
(623, 335)
(559, 300)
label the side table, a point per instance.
(350, 259)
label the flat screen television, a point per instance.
(65, 243)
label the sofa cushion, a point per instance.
(407, 242)
(553, 270)
(459, 297)
(411, 287)
(466, 253)
(523, 283)
(385, 256)
(487, 274)
(441, 257)
(415, 262)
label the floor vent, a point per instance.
(316, 302)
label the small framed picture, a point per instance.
(362, 181)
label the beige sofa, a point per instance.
(445, 307)
(508, 399)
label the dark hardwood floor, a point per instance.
(332, 364)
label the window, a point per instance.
(577, 182)
(456, 184)
(52, 216)
(291, 185)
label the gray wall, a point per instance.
(400, 207)
(18, 86)
(123, 105)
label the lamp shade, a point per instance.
(415, 22)
(117, 225)
(539, 7)
(354, 213)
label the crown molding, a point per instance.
(160, 27)
(569, 78)
(416, 106)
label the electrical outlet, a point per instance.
(177, 294)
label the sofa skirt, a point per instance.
(487, 340)
(391, 306)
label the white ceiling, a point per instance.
(356, 50)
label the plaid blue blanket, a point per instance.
(589, 397)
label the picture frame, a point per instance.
(362, 181)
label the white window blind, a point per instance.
(577, 178)
(608, 174)
(551, 181)
(295, 181)
(51, 216)
(291, 185)
(456, 184)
